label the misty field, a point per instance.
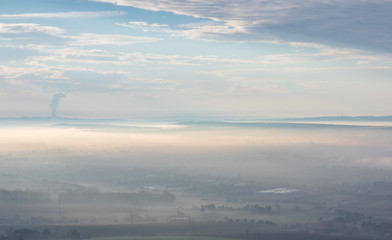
(197, 179)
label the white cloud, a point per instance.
(215, 10)
(209, 29)
(302, 57)
(64, 15)
(16, 28)
(144, 25)
(361, 24)
(89, 39)
(84, 39)
(14, 73)
(257, 11)
(203, 31)
(148, 27)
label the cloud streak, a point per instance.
(89, 39)
(204, 31)
(83, 39)
(64, 15)
(361, 24)
(17, 28)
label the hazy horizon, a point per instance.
(221, 118)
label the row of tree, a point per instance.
(254, 209)
(30, 234)
(142, 197)
(23, 196)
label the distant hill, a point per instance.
(342, 119)
(307, 122)
(282, 125)
(201, 118)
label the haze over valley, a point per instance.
(195, 120)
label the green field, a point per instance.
(164, 238)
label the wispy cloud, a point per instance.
(145, 26)
(89, 39)
(84, 39)
(209, 30)
(38, 71)
(15, 28)
(362, 24)
(215, 10)
(64, 15)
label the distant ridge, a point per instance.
(282, 125)
(49, 119)
(341, 119)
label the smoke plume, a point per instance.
(55, 103)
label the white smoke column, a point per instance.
(55, 103)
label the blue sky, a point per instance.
(158, 58)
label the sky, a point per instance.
(161, 58)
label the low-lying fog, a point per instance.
(102, 172)
(251, 151)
